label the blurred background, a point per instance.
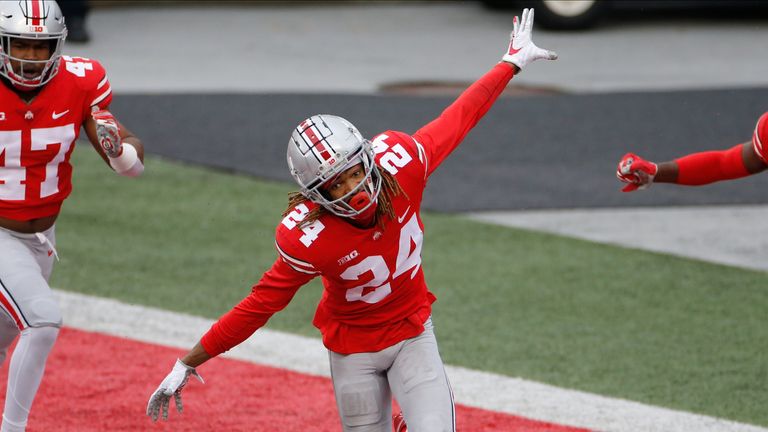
(657, 78)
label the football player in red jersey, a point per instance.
(702, 168)
(46, 99)
(356, 223)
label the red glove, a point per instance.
(636, 171)
(398, 423)
(107, 132)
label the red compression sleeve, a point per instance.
(271, 294)
(708, 167)
(443, 134)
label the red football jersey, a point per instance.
(760, 137)
(37, 138)
(374, 290)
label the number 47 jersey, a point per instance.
(37, 138)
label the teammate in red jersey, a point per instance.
(46, 99)
(701, 168)
(356, 223)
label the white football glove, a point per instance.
(522, 50)
(171, 385)
(107, 132)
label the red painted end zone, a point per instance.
(97, 383)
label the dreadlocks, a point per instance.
(390, 188)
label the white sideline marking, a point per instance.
(472, 388)
(693, 231)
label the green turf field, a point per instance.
(646, 327)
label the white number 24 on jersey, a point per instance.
(407, 259)
(310, 231)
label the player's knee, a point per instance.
(360, 404)
(44, 312)
(8, 332)
(41, 337)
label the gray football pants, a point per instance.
(28, 308)
(26, 262)
(411, 371)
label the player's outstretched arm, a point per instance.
(118, 146)
(693, 170)
(522, 51)
(443, 134)
(699, 168)
(174, 383)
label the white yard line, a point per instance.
(731, 235)
(472, 388)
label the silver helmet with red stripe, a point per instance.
(25, 23)
(322, 147)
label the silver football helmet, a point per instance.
(35, 20)
(322, 147)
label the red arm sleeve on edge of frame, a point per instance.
(708, 167)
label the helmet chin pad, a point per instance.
(360, 200)
(362, 203)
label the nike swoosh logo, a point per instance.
(512, 49)
(402, 218)
(57, 116)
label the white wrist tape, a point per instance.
(128, 163)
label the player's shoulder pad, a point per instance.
(389, 139)
(89, 74)
(291, 237)
(760, 137)
(762, 127)
(403, 148)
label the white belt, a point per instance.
(44, 240)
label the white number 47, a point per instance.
(77, 68)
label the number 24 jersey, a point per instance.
(374, 290)
(374, 284)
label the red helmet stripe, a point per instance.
(37, 9)
(310, 135)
